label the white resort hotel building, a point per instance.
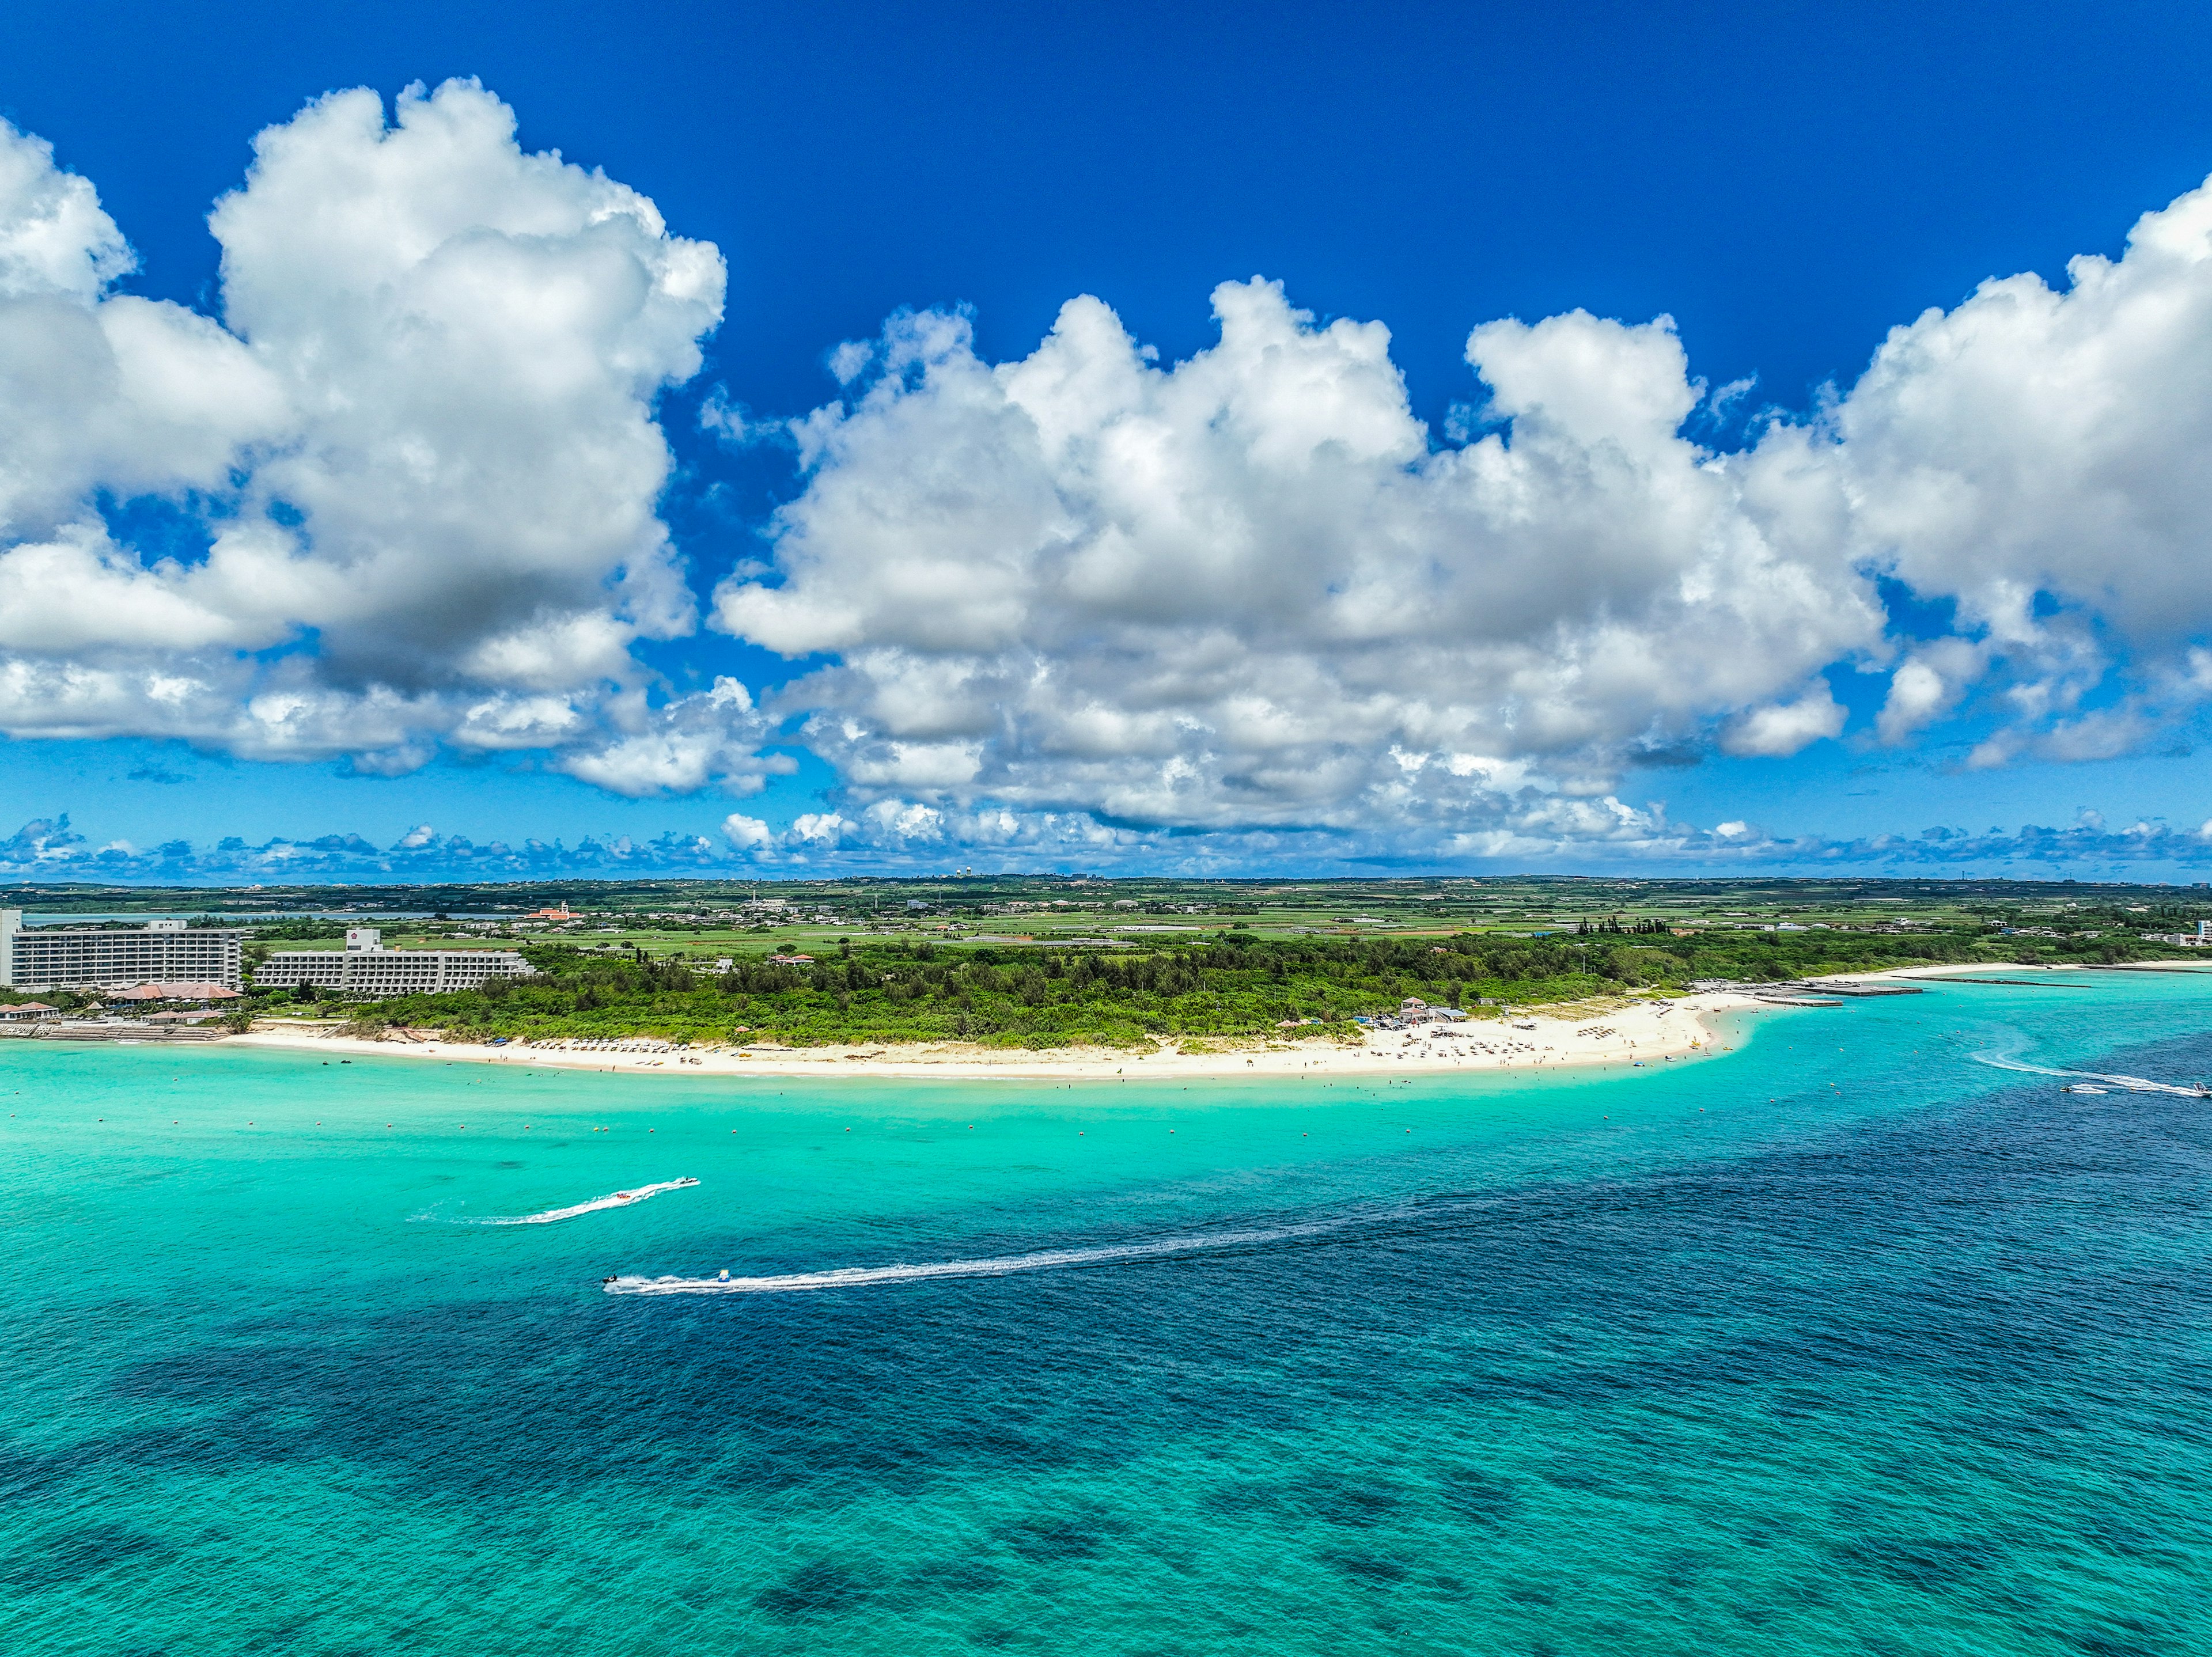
(107, 957)
(366, 971)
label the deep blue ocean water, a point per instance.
(1842, 1341)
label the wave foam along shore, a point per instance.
(613, 1199)
(1048, 1259)
(2131, 1083)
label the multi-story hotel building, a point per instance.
(366, 971)
(109, 957)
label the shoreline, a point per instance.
(1646, 1032)
(1954, 968)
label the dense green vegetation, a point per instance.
(1230, 984)
(1045, 960)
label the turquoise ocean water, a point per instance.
(1840, 1342)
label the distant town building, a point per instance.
(560, 913)
(2196, 940)
(366, 971)
(114, 957)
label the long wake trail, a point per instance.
(2130, 1084)
(613, 1199)
(995, 1265)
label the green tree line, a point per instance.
(1231, 985)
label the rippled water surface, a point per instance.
(1840, 1342)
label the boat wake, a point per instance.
(2127, 1083)
(614, 1199)
(998, 1266)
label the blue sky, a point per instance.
(954, 647)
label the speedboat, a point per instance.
(638, 1196)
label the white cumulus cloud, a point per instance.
(747, 833)
(1251, 588)
(2035, 455)
(1247, 592)
(1780, 729)
(425, 422)
(680, 746)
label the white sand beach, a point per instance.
(1644, 1031)
(1987, 969)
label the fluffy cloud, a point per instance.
(1072, 597)
(2049, 441)
(1250, 589)
(97, 391)
(681, 745)
(2036, 457)
(747, 833)
(53, 237)
(421, 445)
(1779, 729)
